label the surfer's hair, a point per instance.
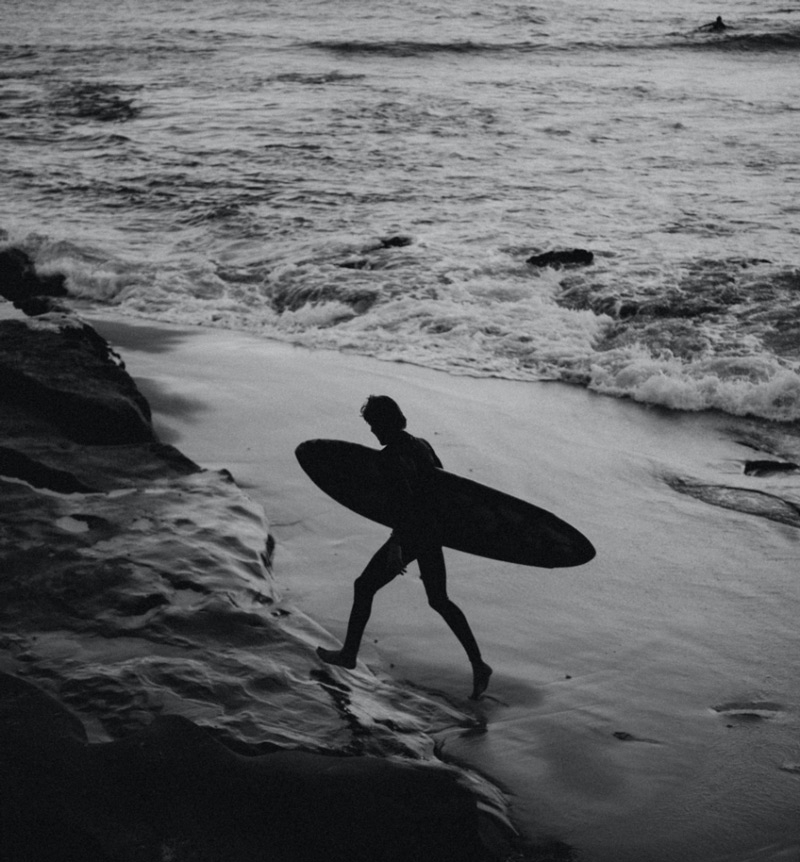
(381, 410)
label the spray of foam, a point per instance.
(741, 386)
(489, 317)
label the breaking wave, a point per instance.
(412, 48)
(719, 335)
(732, 39)
(783, 40)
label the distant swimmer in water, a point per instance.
(408, 460)
(717, 26)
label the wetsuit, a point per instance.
(409, 461)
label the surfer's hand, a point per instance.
(394, 560)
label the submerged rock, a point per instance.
(95, 100)
(396, 241)
(565, 257)
(744, 500)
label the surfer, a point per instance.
(716, 26)
(408, 459)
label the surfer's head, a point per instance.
(383, 416)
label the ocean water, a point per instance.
(374, 177)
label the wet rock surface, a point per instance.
(158, 697)
(56, 369)
(171, 790)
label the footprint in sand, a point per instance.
(750, 711)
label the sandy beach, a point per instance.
(564, 239)
(645, 706)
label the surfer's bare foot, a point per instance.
(481, 673)
(334, 656)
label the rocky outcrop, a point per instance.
(17, 465)
(22, 285)
(171, 791)
(57, 369)
(158, 698)
(71, 418)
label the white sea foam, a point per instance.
(757, 386)
(694, 346)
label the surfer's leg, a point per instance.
(376, 575)
(434, 577)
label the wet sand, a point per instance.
(645, 706)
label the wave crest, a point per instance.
(708, 334)
(740, 386)
(413, 48)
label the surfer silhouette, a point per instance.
(716, 26)
(407, 460)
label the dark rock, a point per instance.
(19, 280)
(66, 401)
(627, 308)
(768, 468)
(396, 241)
(379, 261)
(174, 787)
(17, 465)
(95, 100)
(559, 259)
(62, 371)
(61, 465)
(33, 306)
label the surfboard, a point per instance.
(472, 517)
